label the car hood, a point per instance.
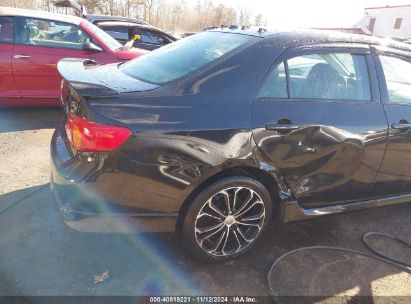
(91, 79)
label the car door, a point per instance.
(319, 122)
(8, 87)
(394, 70)
(40, 44)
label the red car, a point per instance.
(31, 44)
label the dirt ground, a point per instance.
(39, 255)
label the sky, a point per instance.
(311, 13)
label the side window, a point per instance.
(49, 33)
(157, 39)
(118, 33)
(149, 37)
(339, 76)
(6, 30)
(397, 76)
(275, 86)
(145, 36)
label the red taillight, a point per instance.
(89, 136)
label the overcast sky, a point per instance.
(311, 13)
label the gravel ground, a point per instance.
(41, 256)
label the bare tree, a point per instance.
(244, 16)
(19, 3)
(258, 20)
(172, 15)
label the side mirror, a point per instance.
(90, 46)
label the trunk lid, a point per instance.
(85, 78)
(92, 79)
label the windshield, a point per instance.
(183, 57)
(108, 40)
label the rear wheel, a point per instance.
(226, 219)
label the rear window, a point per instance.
(184, 56)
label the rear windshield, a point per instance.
(184, 56)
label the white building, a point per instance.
(387, 21)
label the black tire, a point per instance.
(237, 188)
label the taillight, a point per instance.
(89, 136)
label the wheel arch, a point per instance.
(264, 177)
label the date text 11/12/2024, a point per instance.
(203, 299)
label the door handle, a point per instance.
(401, 126)
(20, 56)
(282, 127)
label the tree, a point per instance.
(171, 15)
(258, 20)
(31, 4)
(93, 6)
(244, 16)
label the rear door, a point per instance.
(40, 44)
(394, 70)
(8, 87)
(319, 121)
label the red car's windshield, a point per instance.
(108, 40)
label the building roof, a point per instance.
(10, 11)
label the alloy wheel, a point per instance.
(229, 221)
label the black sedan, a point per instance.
(214, 134)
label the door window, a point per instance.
(145, 36)
(397, 76)
(340, 76)
(6, 30)
(275, 85)
(48, 33)
(157, 39)
(118, 33)
(148, 37)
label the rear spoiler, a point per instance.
(75, 71)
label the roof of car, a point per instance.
(11, 11)
(124, 23)
(94, 18)
(310, 36)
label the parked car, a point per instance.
(150, 38)
(123, 29)
(31, 44)
(97, 19)
(212, 135)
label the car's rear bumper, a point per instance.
(85, 209)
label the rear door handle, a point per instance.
(401, 126)
(21, 56)
(282, 127)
